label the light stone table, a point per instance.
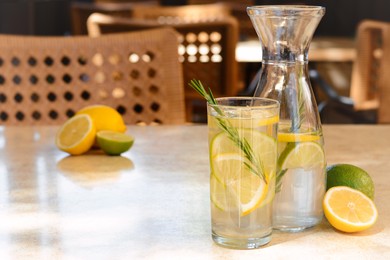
(153, 201)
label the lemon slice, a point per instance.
(114, 143)
(303, 155)
(293, 137)
(218, 194)
(238, 185)
(349, 210)
(254, 122)
(264, 146)
(77, 135)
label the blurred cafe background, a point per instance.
(347, 63)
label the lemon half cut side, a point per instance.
(349, 210)
(77, 135)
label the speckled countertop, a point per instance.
(153, 201)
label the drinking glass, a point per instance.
(243, 156)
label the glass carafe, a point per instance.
(285, 33)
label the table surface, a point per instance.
(322, 49)
(153, 201)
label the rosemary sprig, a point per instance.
(255, 165)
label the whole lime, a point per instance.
(350, 176)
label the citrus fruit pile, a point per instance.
(348, 203)
(94, 126)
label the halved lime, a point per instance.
(114, 143)
(304, 155)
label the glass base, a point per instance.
(291, 229)
(295, 225)
(241, 243)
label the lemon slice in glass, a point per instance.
(238, 185)
(263, 146)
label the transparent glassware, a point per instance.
(285, 33)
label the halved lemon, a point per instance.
(77, 135)
(349, 210)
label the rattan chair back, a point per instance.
(206, 50)
(80, 11)
(45, 80)
(370, 83)
(180, 14)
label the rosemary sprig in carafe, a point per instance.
(254, 165)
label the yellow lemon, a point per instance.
(349, 210)
(77, 135)
(104, 118)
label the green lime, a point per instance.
(350, 176)
(114, 143)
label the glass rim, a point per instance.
(286, 10)
(271, 103)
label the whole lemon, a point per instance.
(350, 176)
(104, 118)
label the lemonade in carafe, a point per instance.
(285, 33)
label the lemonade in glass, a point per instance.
(243, 159)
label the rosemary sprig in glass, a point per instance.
(255, 164)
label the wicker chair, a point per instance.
(81, 10)
(370, 80)
(207, 51)
(45, 80)
(181, 14)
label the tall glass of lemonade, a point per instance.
(243, 159)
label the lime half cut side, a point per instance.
(114, 143)
(304, 155)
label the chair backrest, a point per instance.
(206, 49)
(179, 14)
(370, 77)
(80, 11)
(45, 80)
